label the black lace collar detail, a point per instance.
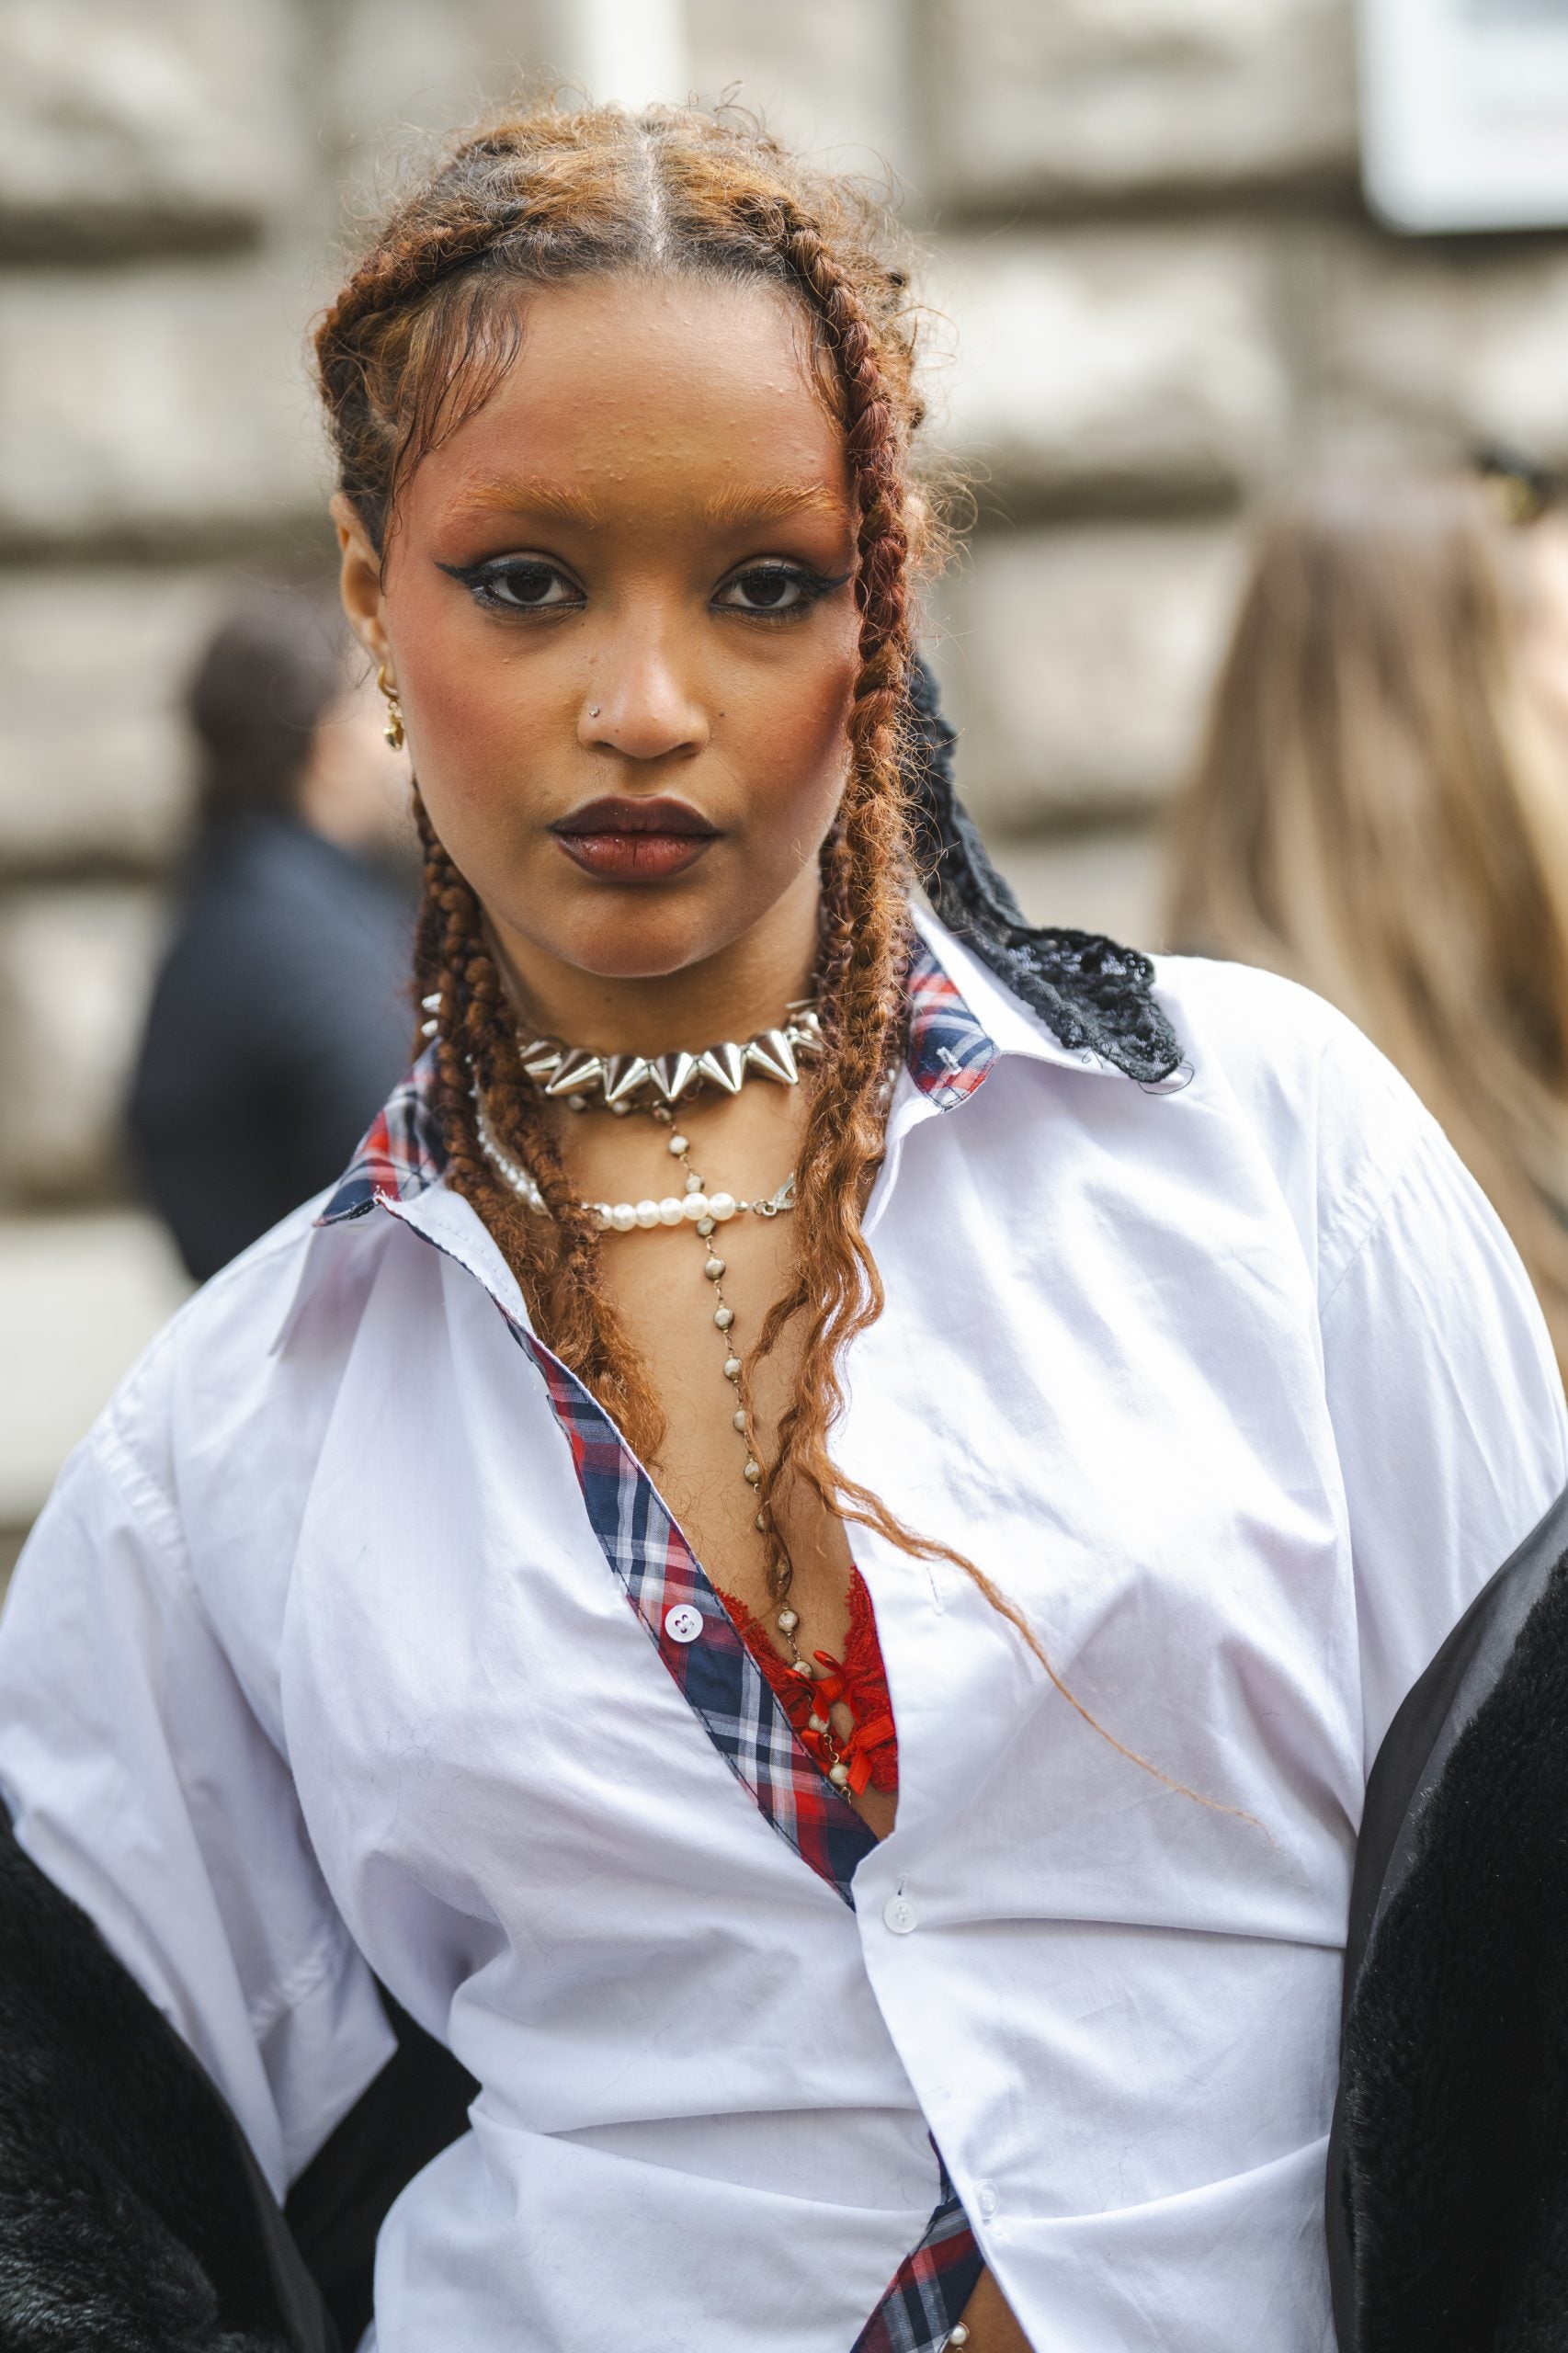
(1090, 992)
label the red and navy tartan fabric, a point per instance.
(402, 1154)
(930, 2288)
(716, 1674)
(949, 1053)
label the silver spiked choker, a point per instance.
(635, 1082)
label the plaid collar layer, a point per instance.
(948, 1057)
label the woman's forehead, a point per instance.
(630, 391)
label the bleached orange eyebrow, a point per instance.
(737, 508)
(519, 496)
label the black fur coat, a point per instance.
(133, 2218)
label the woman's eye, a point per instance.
(518, 584)
(769, 588)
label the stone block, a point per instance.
(75, 970)
(833, 81)
(1077, 102)
(1076, 663)
(1427, 349)
(94, 761)
(1109, 363)
(172, 123)
(159, 407)
(80, 1298)
(401, 74)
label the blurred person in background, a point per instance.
(280, 1015)
(1380, 807)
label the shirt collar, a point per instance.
(961, 1021)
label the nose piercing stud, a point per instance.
(593, 710)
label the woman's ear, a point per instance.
(360, 580)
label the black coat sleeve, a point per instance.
(1448, 2179)
(133, 2216)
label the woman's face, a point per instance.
(619, 606)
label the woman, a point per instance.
(921, 1924)
(278, 1022)
(1380, 809)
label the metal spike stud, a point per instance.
(672, 1075)
(772, 1053)
(624, 1074)
(726, 1065)
(578, 1070)
(543, 1058)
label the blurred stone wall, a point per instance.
(1157, 293)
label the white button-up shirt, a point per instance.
(354, 1639)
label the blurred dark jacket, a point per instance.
(280, 1024)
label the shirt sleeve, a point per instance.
(1446, 1402)
(139, 1779)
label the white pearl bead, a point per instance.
(713, 1269)
(693, 1181)
(762, 1523)
(788, 1621)
(816, 1723)
(753, 1474)
(958, 2338)
(738, 1421)
(723, 1318)
(646, 1214)
(694, 1206)
(705, 1224)
(624, 1217)
(839, 1776)
(670, 1211)
(720, 1206)
(680, 1145)
(601, 1216)
(802, 1666)
(732, 1367)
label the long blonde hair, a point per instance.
(1374, 812)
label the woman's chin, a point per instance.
(637, 942)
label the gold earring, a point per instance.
(393, 731)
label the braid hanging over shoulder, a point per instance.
(1090, 992)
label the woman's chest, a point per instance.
(505, 1672)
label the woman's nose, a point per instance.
(640, 703)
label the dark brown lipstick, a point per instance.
(624, 838)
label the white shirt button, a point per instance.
(989, 2202)
(684, 1622)
(900, 1914)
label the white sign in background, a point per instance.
(1464, 113)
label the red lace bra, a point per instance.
(859, 1680)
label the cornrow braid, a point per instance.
(556, 1259)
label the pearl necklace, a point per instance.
(705, 1213)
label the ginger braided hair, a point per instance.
(422, 332)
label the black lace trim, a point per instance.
(1090, 992)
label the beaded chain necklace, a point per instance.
(624, 1084)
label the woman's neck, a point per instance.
(742, 989)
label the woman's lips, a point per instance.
(627, 840)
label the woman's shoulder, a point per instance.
(215, 1400)
(1302, 1087)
